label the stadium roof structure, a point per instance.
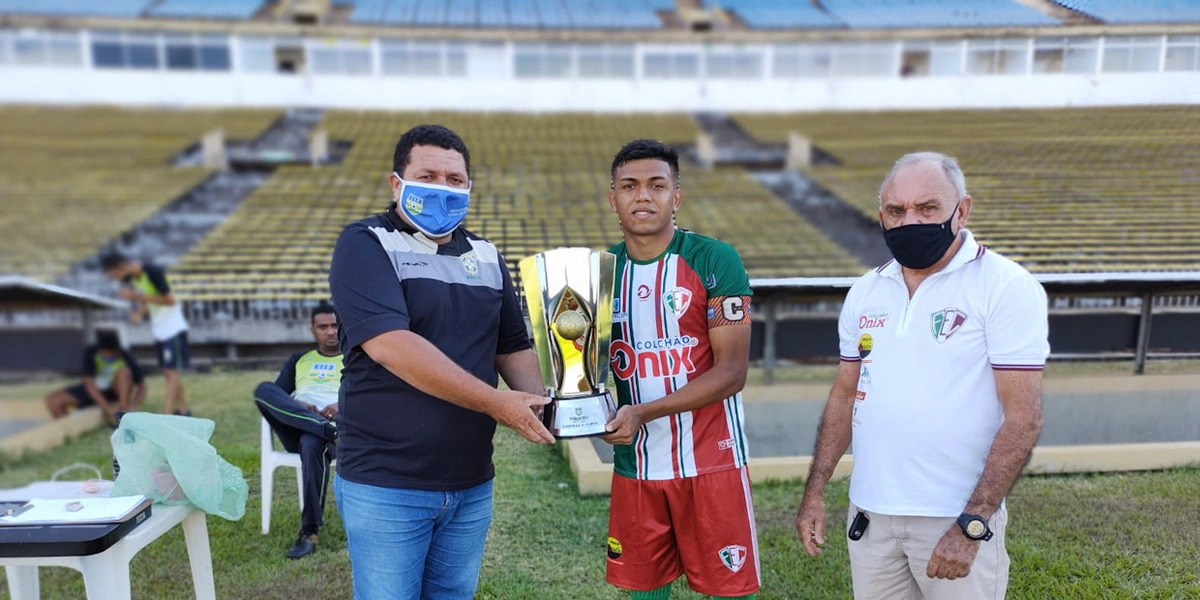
(355, 30)
(22, 293)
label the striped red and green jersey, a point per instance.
(662, 312)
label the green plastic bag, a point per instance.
(168, 459)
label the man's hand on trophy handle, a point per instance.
(520, 416)
(623, 426)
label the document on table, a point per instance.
(91, 510)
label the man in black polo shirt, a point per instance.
(112, 380)
(428, 319)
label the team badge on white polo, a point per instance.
(926, 408)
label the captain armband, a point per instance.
(728, 310)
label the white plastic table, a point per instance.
(106, 575)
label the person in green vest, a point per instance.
(300, 406)
(147, 287)
(111, 380)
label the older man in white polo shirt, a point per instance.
(940, 389)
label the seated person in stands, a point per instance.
(112, 380)
(301, 406)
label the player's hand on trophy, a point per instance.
(810, 523)
(517, 412)
(623, 426)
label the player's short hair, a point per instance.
(323, 308)
(640, 149)
(112, 260)
(108, 339)
(428, 135)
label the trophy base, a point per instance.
(584, 416)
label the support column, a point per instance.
(89, 325)
(799, 154)
(212, 149)
(1143, 338)
(770, 320)
(318, 147)
(706, 149)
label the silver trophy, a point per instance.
(570, 294)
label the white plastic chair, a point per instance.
(272, 459)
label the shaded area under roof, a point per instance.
(22, 293)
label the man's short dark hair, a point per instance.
(428, 135)
(640, 149)
(108, 339)
(112, 260)
(323, 308)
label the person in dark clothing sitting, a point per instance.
(300, 407)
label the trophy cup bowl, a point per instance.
(569, 292)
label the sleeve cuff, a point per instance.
(513, 344)
(374, 326)
(1017, 367)
(850, 358)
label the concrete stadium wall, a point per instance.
(192, 89)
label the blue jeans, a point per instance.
(414, 544)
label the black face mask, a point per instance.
(921, 245)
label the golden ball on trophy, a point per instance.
(571, 325)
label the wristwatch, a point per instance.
(974, 527)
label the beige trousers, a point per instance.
(889, 562)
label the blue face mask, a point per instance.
(435, 210)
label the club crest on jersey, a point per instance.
(470, 265)
(733, 557)
(677, 301)
(944, 323)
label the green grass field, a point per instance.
(1114, 536)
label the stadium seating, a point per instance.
(1138, 11)
(892, 14)
(73, 179)
(520, 14)
(1088, 190)
(206, 9)
(539, 182)
(89, 8)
